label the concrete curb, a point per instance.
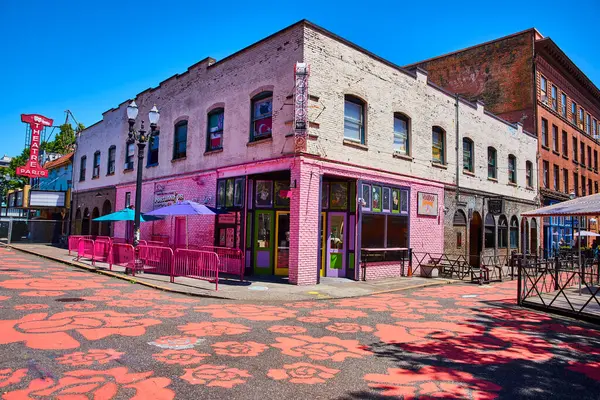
(186, 293)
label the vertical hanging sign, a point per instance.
(33, 169)
(301, 73)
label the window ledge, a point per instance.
(111, 174)
(492, 179)
(357, 145)
(403, 156)
(82, 180)
(590, 168)
(439, 165)
(565, 157)
(95, 177)
(512, 184)
(152, 165)
(128, 170)
(178, 159)
(268, 139)
(215, 151)
(545, 147)
(467, 172)
(575, 162)
(529, 187)
(556, 152)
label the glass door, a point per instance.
(263, 242)
(282, 245)
(336, 244)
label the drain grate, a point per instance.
(70, 299)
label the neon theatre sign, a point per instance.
(33, 169)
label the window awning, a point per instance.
(582, 206)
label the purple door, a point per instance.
(336, 244)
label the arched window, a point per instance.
(492, 163)
(180, 140)
(502, 232)
(95, 224)
(438, 145)
(468, 155)
(112, 150)
(262, 116)
(512, 169)
(514, 233)
(489, 232)
(401, 134)
(96, 166)
(82, 168)
(105, 226)
(529, 174)
(533, 236)
(214, 135)
(354, 119)
(460, 219)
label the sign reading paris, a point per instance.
(32, 168)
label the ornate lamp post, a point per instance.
(141, 139)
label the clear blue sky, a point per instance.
(89, 56)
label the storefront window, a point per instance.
(502, 232)
(373, 231)
(264, 231)
(397, 231)
(490, 231)
(514, 233)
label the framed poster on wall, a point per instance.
(395, 201)
(264, 193)
(427, 204)
(376, 200)
(366, 197)
(238, 199)
(386, 199)
(339, 196)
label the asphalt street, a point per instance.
(71, 334)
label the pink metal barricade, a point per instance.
(85, 249)
(155, 243)
(74, 242)
(102, 249)
(156, 260)
(196, 264)
(119, 240)
(231, 261)
(122, 254)
(108, 238)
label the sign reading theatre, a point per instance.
(33, 169)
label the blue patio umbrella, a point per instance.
(126, 214)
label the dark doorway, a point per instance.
(77, 227)
(525, 235)
(533, 236)
(105, 226)
(475, 239)
(85, 223)
(95, 224)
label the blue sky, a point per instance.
(89, 56)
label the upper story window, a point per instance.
(574, 113)
(492, 163)
(575, 149)
(555, 138)
(556, 177)
(112, 151)
(96, 165)
(595, 128)
(589, 156)
(153, 146)
(563, 101)
(588, 123)
(529, 173)
(576, 183)
(262, 116)
(512, 169)
(180, 140)
(582, 153)
(565, 144)
(129, 156)
(82, 168)
(596, 160)
(401, 134)
(583, 191)
(214, 135)
(490, 232)
(554, 98)
(354, 119)
(544, 132)
(438, 139)
(546, 172)
(468, 155)
(580, 122)
(544, 89)
(566, 180)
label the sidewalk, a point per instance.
(254, 289)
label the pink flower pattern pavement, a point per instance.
(94, 337)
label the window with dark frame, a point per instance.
(573, 113)
(580, 121)
(514, 233)
(180, 140)
(564, 105)
(262, 116)
(512, 169)
(583, 191)
(96, 165)
(544, 89)
(590, 186)
(595, 187)
(129, 157)
(544, 132)
(502, 232)
(214, 134)
(554, 98)
(492, 163)
(468, 155)
(565, 144)
(127, 199)
(401, 134)
(555, 138)
(588, 123)
(354, 119)
(438, 144)
(576, 183)
(556, 177)
(575, 149)
(589, 156)
(153, 146)
(110, 168)
(595, 128)
(582, 153)
(546, 172)
(566, 180)
(82, 168)
(596, 160)
(529, 173)
(489, 232)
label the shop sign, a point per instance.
(495, 206)
(167, 199)
(301, 72)
(427, 204)
(33, 169)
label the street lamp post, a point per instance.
(140, 138)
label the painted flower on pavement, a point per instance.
(306, 373)
(176, 342)
(407, 314)
(107, 384)
(129, 303)
(49, 284)
(97, 298)
(432, 382)
(165, 313)
(94, 356)
(239, 349)
(216, 376)
(180, 357)
(247, 311)
(323, 348)
(42, 293)
(339, 313)
(313, 320)
(31, 307)
(40, 331)
(8, 376)
(414, 332)
(108, 292)
(306, 304)
(377, 303)
(2, 298)
(145, 295)
(79, 306)
(287, 329)
(348, 327)
(218, 328)
(170, 307)
(591, 370)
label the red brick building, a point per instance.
(527, 78)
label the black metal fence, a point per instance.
(21, 230)
(478, 269)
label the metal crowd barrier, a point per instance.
(197, 264)
(231, 261)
